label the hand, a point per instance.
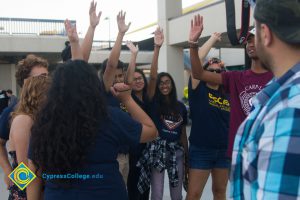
(7, 182)
(196, 28)
(216, 37)
(158, 36)
(94, 19)
(121, 91)
(133, 49)
(123, 28)
(71, 31)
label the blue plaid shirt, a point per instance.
(266, 155)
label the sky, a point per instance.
(139, 12)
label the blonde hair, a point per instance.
(32, 96)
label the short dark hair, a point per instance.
(25, 66)
(282, 17)
(9, 91)
(120, 65)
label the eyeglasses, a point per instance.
(162, 83)
(216, 70)
(138, 79)
(214, 61)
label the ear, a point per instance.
(266, 34)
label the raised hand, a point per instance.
(216, 37)
(133, 49)
(121, 91)
(196, 28)
(158, 36)
(71, 32)
(123, 28)
(94, 18)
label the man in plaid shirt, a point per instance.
(266, 156)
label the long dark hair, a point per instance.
(166, 105)
(145, 83)
(69, 120)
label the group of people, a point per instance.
(126, 130)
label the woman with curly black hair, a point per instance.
(76, 137)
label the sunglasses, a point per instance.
(216, 70)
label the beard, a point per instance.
(262, 54)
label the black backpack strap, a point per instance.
(231, 28)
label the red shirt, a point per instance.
(241, 86)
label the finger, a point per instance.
(99, 14)
(201, 20)
(129, 25)
(113, 91)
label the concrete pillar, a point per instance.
(5, 77)
(170, 57)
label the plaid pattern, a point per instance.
(266, 156)
(155, 157)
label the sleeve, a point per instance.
(127, 129)
(4, 123)
(226, 78)
(278, 161)
(183, 113)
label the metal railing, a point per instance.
(24, 26)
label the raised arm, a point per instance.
(74, 40)
(109, 74)
(158, 41)
(197, 70)
(123, 93)
(130, 71)
(203, 51)
(87, 43)
(206, 47)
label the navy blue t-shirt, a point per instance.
(118, 129)
(114, 102)
(3, 100)
(169, 126)
(210, 117)
(4, 122)
(137, 150)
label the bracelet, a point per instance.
(155, 45)
(193, 45)
(192, 42)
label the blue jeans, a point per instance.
(157, 181)
(208, 158)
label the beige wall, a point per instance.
(7, 77)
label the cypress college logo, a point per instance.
(22, 176)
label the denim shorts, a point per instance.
(208, 158)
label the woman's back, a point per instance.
(100, 177)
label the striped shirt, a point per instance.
(266, 155)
